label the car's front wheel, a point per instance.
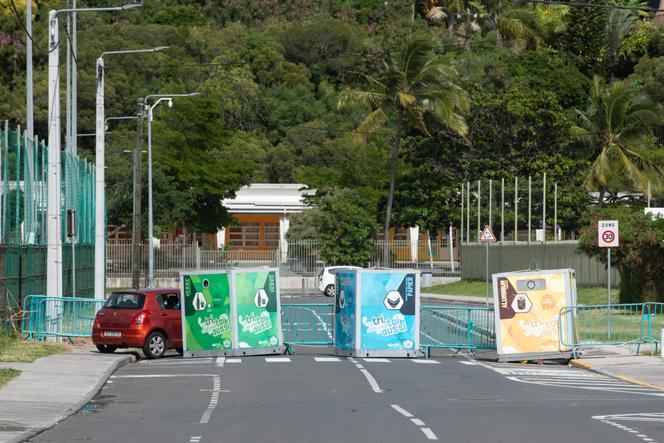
(106, 349)
(155, 345)
(329, 291)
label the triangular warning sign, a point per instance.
(487, 235)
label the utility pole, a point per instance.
(137, 257)
(28, 76)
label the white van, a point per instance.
(326, 279)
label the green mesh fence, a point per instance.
(23, 217)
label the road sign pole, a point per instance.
(608, 279)
(487, 273)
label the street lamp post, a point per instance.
(168, 98)
(100, 198)
(54, 205)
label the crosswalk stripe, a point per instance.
(277, 359)
(326, 359)
(376, 360)
(233, 360)
(425, 361)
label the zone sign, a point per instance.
(607, 234)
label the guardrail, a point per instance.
(603, 325)
(453, 327)
(59, 316)
(307, 324)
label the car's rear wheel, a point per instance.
(106, 349)
(155, 345)
(329, 291)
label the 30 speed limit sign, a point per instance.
(607, 234)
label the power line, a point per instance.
(594, 5)
(20, 21)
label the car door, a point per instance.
(173, 318)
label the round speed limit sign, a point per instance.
(607, 234)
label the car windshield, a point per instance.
(124, 300)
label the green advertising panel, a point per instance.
(258, 321)
(233, 312)
(206, 318)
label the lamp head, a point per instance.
(170, 102)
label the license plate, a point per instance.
(112, 334)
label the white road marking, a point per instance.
(429, 433)
(570, 378)
(372, 381)
(359, 366)
(195, 439)
(469, 363)
(163, 375)
(220, 361)
(376, 360)
(277, 359)
(326, 359)
(401, 411)
(425, 361)
(322, 323)
(214, 399)
(417, 421)
(233, 360)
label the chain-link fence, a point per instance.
(23, 219)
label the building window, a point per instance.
(245, 235)
(271, 234)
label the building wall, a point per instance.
(253, 232)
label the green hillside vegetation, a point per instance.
(271, 75)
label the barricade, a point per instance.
(309, 324)
(605, 325)
(59, 316)
(452, 327)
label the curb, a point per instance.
(89, 396)
(636, 381)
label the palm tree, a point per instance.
(617, 127)
(416, 88)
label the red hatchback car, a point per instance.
(145, 318)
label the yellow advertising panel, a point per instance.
(527, 306)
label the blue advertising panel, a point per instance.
(344, 310)
(389, 307)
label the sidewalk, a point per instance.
(616, 361)
(50, 389)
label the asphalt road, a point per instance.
(314, 397)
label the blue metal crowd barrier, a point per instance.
(307, 324)
(602, 325)
(59, 316)
(457, 327)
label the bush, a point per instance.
(639, 256)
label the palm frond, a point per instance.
(353, 96)
(371, 123)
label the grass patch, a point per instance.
(7, 374)
(477, 288)
(16, 349)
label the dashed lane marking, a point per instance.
(416, 421)
(220, 361)
(376, 360)
(429, 433)
(233, 360)
(469, 363)
(195, 439)
(214, 399)
(429, 362)
(401, 411)
(634, 419)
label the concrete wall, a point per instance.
(506, 257)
